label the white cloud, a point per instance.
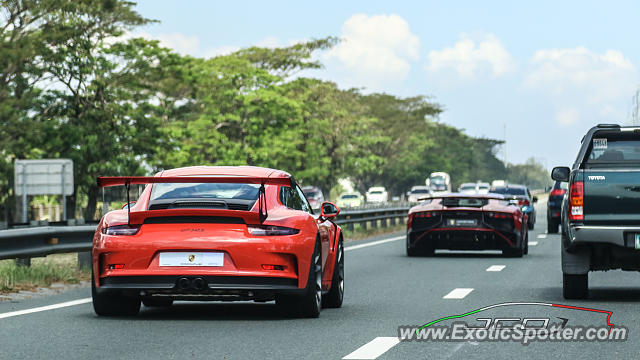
(181, 43)
(600, 77)
(587, 87)
(378, 47)
(468, 57)
(567, 116)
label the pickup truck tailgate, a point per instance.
(612, 196)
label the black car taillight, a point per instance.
(557, 192)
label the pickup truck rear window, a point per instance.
(618, 148)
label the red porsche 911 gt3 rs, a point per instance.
(467, 222)
(221, 234)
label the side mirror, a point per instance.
(329, 210)
(535, 199)
(560, 173)
(127, 205)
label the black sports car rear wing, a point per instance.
(106, 181)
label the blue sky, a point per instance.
(548, 70)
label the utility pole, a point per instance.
(635, 107)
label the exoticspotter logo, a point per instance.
(520, 322)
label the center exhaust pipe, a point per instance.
(199, 284)
(184, 283)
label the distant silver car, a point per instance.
(418, 192)
(314, 196)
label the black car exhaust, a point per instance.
(199, 284)
(184, 283)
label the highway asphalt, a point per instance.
(384, 290)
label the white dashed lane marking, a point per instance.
(374, 348)
(533, 243)
(542, 236)
(496, 267)
(458, 293)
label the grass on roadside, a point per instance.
(59, 268)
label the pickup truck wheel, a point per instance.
(552, 227)
(575, 286)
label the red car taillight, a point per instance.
(270, 230)
(499, 215)
(576, 201)
(121, 230)
(409, 221)
(557, 192)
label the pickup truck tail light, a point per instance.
(576, 201)
(557, 192)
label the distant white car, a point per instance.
(483, 188)
(418, 192)
(377, 194)
(350, 199)
(468, 188)
(474, 188)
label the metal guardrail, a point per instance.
(28, 242)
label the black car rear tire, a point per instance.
(552, 226)
(309, 304)
(575, 286)
(333, 299)
(530, 224)
(113, 304)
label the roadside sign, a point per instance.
(43, 177)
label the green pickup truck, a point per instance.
(601, 211)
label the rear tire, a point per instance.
(526, 244)
(552, 227)
(575, 286)
(309, 304)
(530, 224)
(333, 299)
(113, 304)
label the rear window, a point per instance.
(224, 191)
(616, 147)
(376, 192)
(508, 191)
(349, 196)
(420, 191)
(467, 187)
(464, 202)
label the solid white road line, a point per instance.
(374, 348)
(458, 293)
(45, 308)
(373, 243)
(496, 267)
(542, 236)
(533, 243)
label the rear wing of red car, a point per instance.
(127, 181)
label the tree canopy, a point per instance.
(71, 86)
